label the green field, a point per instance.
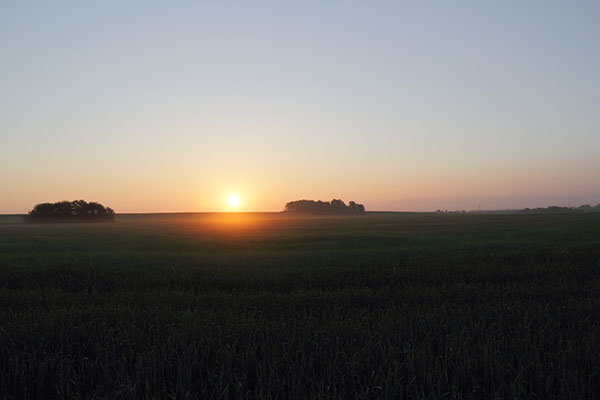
(381, 305)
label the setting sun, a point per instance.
(233, 200)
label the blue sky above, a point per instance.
(169, 106)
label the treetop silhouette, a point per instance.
(71, 211)
(335, 206)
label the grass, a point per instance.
(262, 305)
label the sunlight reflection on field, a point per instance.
(232, 225)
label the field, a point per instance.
(381, 305)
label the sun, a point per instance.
(233, 200)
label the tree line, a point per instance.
(77, 210)
(556, 209)
(335, 206)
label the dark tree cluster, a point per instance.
(560, 210)
(335, 206)
(77, 210)
(589, 208)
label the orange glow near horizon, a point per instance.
(262, 188)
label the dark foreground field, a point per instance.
(260, 305)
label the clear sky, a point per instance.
(171, 106)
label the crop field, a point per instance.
(380, 305)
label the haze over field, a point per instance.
(150, 106)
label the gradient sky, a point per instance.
(169, 106)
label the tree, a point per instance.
(77, 210)
(335, 206)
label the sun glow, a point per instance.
(233, 200)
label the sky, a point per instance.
(150, 106)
